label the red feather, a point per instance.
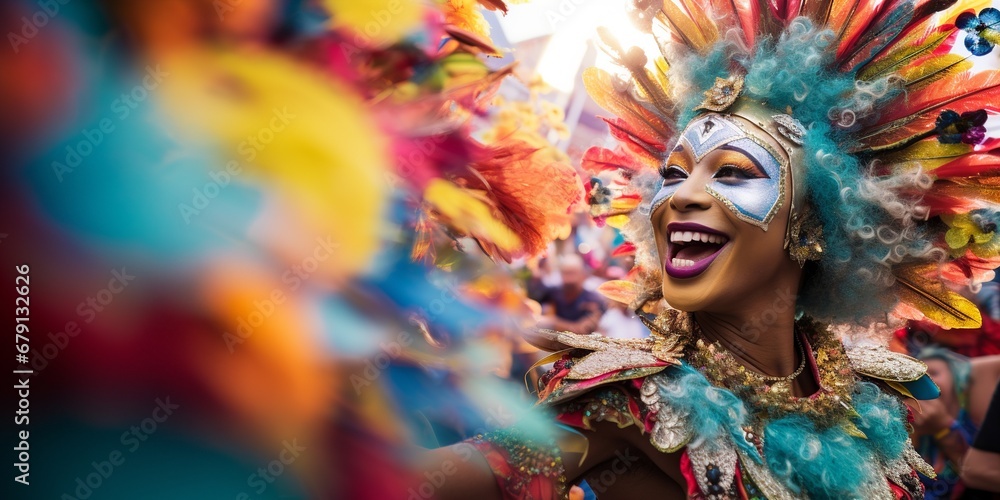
(650, 154)
(915, 113)
(971, 165)
(785, 10)
(598, 159)
(989, 144)
(969, 267)
(973, 91)
(962, 194)
(624, 249)
(647, 138)
(748, 14)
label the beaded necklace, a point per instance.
(767, 398)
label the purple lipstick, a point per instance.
(692, 248)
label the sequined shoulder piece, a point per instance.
(879, 362)
(594, 360)
(906, 375)
(609, 355)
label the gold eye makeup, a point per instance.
(748, 178)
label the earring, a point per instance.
(804, 240)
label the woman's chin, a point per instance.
(690, 297)
(698, 293)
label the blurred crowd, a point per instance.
(959, 432)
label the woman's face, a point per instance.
(721, 216)
(940, 373)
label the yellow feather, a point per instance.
(684, 27)
(601, 87)
(932, 69)
(699, 11)
(660, 75)
(469, 214)
(617, 221)
(918, 286)
(927, 154)
(898, 58)
(949, 14)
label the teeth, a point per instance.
(686, 236)
(679, 263)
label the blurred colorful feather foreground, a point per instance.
(246, 225)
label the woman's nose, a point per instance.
(691, 195)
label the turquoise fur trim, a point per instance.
(882, 420)
(713, 413)
(821, 463)
(830, 463)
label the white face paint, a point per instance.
(753, 190)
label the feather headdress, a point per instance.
(895, 162)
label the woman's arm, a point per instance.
(461, 471)
(982, 380)
(983, 460)
(456, 472)
(980, 470)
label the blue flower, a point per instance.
(968, 127)
(983, 30)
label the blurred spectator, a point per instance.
(988, 299)
(543, 279)
(618, 321)
(596, 278)
(570, 307)
(621, 323)
(944, 427)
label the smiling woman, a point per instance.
(810, 172)
(725, 184)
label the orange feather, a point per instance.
(860, 19)
(641, 121)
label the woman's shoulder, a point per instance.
(902, 374)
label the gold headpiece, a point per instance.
(803, 237)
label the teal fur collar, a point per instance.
(788, 457)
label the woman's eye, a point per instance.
(673, 173)
(733, 172)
